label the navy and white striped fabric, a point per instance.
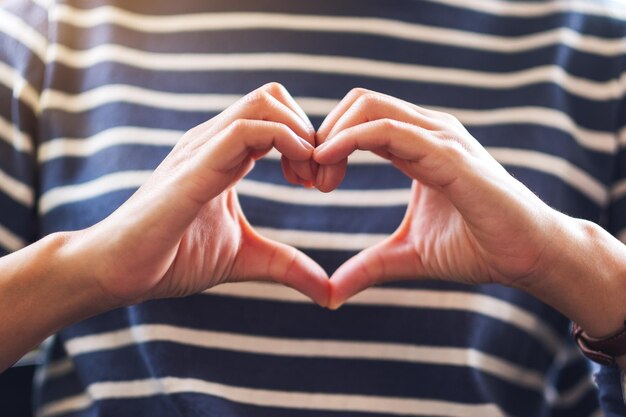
(94, 93)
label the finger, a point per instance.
(304, 170)
(280, 93)
(392, 259)
(272, 103)
(216, 164)
(288, 172)
(399, 140)
(330, 176)
(265, 259)
(464, 176)
(362, 106)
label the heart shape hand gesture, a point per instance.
(183, 231)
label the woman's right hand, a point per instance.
(183, 231)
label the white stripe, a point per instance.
(582, 87)
(21, 89)
(595, 140)
(65, 405)
(125, 135)
(389, 297)
(10, 241)
(555, 119)
(553, 165)
(338, 198)
(134, 179)
(52, 370)
(292, 195)
(59, 368)
(16, 28)
(305, 239)
(280, 399)
(13, 136)
(131, 135)
(614, 8)
(110, 15)
(15, 189)
(113, 93)
(309, 348)
(102, 185)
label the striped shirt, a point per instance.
(94, 94)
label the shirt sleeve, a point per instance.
(22, 48)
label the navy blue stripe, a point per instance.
(592, 114)
(351, 377)
(64, 171)
(84, 213)
(582, 64)
(17, 112)
(16, 164)
(67, 385)
(558, 194)
(549, 141)
(272, 319)
(611, 397)
(430, 327)
(200, 405)
(61, 124)
(571, 374)
(306, 218)
(358, 176)
(424, 12)
(617, 220)
(17, 218)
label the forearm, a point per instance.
(584, 278)
(43, 288)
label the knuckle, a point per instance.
(367, 100)
(238, 126)
(258, 99)
(455, 150)
(447, 117)
(389, 124)
(358, 91)
(274, 87)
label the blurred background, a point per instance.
(15, 385)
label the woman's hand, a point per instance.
(183, 231)
(468, 220)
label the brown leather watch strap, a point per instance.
(603, 351)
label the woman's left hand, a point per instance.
(468, 220)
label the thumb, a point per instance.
(260, 258)
(392, 259)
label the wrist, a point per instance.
(583, 275)
(81, 268)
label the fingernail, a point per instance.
(321, 174)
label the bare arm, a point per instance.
(41, 291)
(182, 232)
(468, 220)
